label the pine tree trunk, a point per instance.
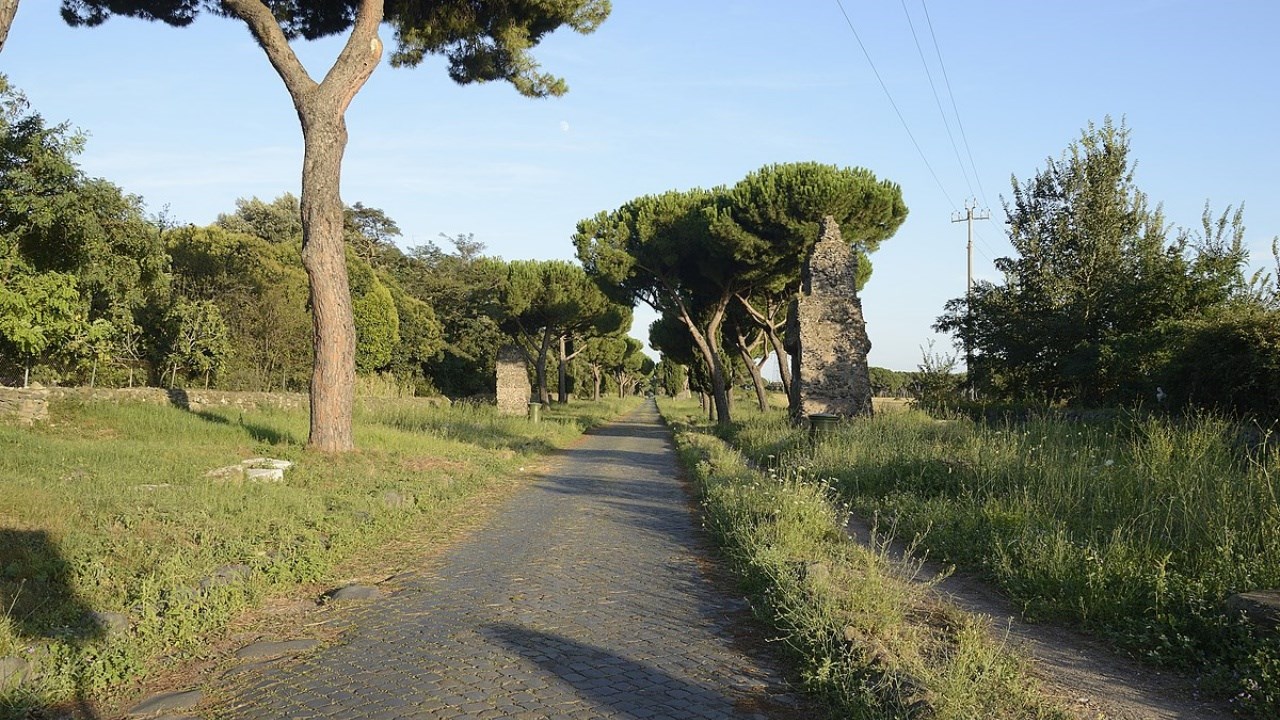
(333, 375)
(757, 379)
(563, 379)
(320, 108)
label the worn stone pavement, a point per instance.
(587, 596)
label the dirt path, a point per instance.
(1083, 674)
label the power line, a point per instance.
(964, 136)
(889, 95)
(936, 100)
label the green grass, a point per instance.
(869, 642)
(1136, 529)
(107, 508)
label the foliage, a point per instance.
(260, 290)
(377, 323)
(198, 340)
(890, 383)
(278, 222)
(1136, 529)
(544, 300)
(462, 290)
(867, 640)
(672, 378)
(1095, 283)
(39, 313)
(63, 235)
(1227, 360)
(935, 386)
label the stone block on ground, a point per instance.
(13, 670)
(226, 575)
(1261, 607)
(264, 650)
(352, 593)
(259, 469)
(183, 700)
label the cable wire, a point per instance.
(937, 100)
(964, 136)
(889, 95)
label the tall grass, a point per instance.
(1137, 529)
(868, 641)
(108, 508)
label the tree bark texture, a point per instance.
(321, 108)
(8, 8)
(757, 379)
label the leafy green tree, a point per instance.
(54, 220)
(671, 376)
(198, 341)
(660, 250)
(39, 313)
(889, 383)
(601, 354)
(1080, 313)
(371, 233)
(259, 289)
(421, 337)
(462, 288)
(776, 211)
(483, 41)
(377, 322)
(94, 342)
(671, 337)
(278, 221)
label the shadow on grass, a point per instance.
(178, 398)
(261, 433)
(39, 601)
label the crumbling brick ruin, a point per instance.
(827, 335)
(513, 389)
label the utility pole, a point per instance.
(968, 217)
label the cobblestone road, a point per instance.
(586, 597)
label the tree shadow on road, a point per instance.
(630, 688)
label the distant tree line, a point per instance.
(1105, 303)
(94, 291)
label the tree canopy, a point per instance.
(1091, 303)
(690, 254)
(482, 42)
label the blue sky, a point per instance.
(676, 94)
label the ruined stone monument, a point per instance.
(827, 335)
(513, 383)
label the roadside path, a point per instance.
(588, 596)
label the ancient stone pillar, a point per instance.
(513, 389)
(827, 335)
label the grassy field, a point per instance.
(118, 553)
(869, 641)
(1137, 529)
